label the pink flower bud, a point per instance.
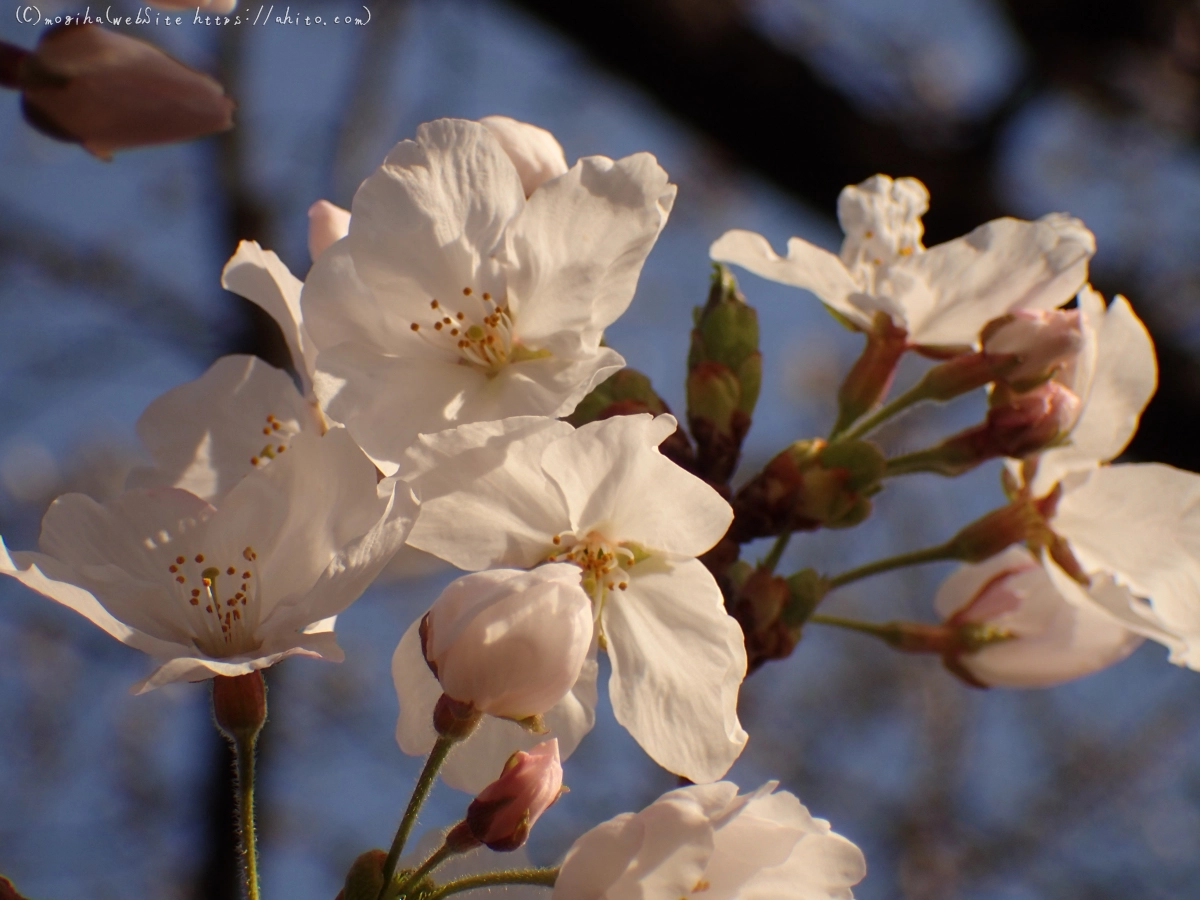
(1043, 342)
(327, 224)
(534, 151)
(504, 812)
(1033, 420)
(1030, 634)
(110, 92)
(508, 642)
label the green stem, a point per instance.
(437, 756)
(871, 628)
(772, 559)
(544, 877)
(438, 857)
(909, 398)
(917, 557)
(244, 748)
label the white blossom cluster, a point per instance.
(451, 320)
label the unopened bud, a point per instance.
(984, 538)
(507, 642)
(1033, 420)
(724, 376)
(365, 878)
(110, 92)
(812, 484)
(327, 224)
(759, 608)
(505, 811)
(8, 891)
(1042, 342)
(240, 704)
(534, 151)
(1016, 426)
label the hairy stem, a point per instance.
(544, 877)
(437, 756)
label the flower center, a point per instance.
(221, 601)
(605, 566)
(481, 335)
(279, 435)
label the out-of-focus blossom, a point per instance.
(505, 811)
(707, 841)
(327, 224)
(534, 151)
(941, 296)
(526, 491)
(225, 589)
(1046, 638)
(207, 435)
(110, 92)
(510, 643)
(1024, 423)
(454, 299)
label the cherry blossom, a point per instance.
(708, 841)
(1045, 638)
(455, 299)
(529, 491)
(509, 642)
(229, 587)
(941, 296)
(207, 435)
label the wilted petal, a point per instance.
(534, 151)
(678, 660)
(111, 92)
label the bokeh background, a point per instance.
(761, 110)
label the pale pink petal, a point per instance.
(327, 224)
(534, 151)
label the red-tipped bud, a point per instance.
(240, 704)
(110, 92)
(1033, 420)
(505, 811)
(871, 376)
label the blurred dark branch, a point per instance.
(361, 128)
(705, 63)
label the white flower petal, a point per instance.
(262, 278)
(678, 660)
(617, 483)
(1001, 266)
(207, 435)
(427, 223)
(55, 580)
(1142, 524)
(385, 401)
(196, 668)
(485, 499)
(806, 266)
(534, 151)
(575, 253)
